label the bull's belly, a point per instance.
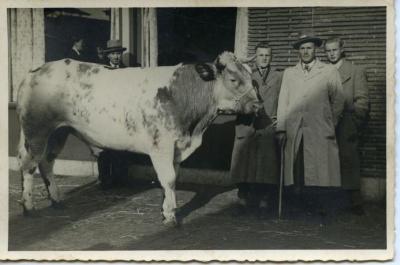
(115, 138)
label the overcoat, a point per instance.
(309, 107)
(354, 115)
(254, 156)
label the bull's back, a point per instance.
(90, 97)
(61, 85)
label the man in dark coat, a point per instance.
(112, 165)
(255, 162)
(354, 116)
(78, 50)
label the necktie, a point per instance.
(307, 68)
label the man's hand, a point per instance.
(281, 137)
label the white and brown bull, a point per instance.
(161, 111)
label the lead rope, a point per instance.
(237, 100)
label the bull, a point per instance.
(161, 111)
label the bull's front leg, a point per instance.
(164, 166)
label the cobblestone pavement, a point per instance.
(128, 218)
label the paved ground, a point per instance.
(128, 218)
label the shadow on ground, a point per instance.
(129, 218)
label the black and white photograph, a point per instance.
(248, 131)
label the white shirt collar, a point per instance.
(310, 65)
(263, 70)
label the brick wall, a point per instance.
(364, 31)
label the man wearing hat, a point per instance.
(310, 104)
(114, 52)
(113, 165)
(354, 117)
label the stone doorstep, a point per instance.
(373, 189)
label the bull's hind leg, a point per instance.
(27, 163)
(163, 164)
(54, 146)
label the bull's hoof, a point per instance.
(27, 210)
(57, 205)
(171, 222)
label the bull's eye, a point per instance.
(233, 80)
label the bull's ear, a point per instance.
(206, 71)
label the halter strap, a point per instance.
(237, 99)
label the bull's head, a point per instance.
(234, 89)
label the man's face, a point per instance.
(333, 52)
(263, 57)
(307, 52)
(115, 57)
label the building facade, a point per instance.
(164, 36)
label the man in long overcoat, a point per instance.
(255, 164)
(310, 104)
(354, 116)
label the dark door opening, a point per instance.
(62, 25)
(199, 35)
(194, 34)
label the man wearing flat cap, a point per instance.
(112, 165)
(310, 104)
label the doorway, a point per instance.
(191, 35)
(194, 34)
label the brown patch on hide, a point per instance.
(83, 68)
(86, 86)
(164, 95)
(33, 81)
(130, 123)
(156, 137)
(45, 69)
(188, 100)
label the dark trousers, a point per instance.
(253, 193)
(298, 167)
(112, 166)
(317, 197)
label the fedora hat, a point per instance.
(307, 36)
(114, 46)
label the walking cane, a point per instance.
(281, 179)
